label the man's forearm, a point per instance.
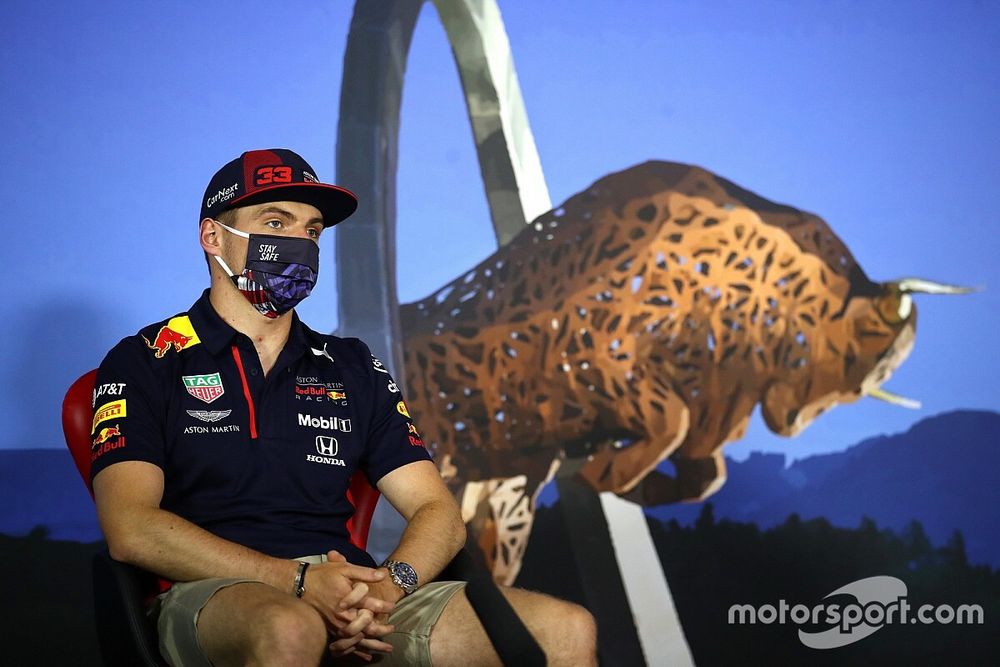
(433, 535)
(174, 548)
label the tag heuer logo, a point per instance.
(205, 388)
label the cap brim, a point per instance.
(335, 203)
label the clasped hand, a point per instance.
(355, 601)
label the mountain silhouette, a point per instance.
(944, 472)
(41, 487)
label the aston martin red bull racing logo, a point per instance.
(311, 388)
(177, 334)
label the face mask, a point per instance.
(279, 271)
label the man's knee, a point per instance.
(584, 627)
(577, 643)
(288, 633)
(565, 630)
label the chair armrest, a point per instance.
(510, 638)
(126, 636)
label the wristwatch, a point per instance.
(403, 575)
(300, 579)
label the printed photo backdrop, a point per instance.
(748, 207)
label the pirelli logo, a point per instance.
(112, 410)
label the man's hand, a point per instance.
(386, 589)
(382, 590)
(352, 616)
(329, 583)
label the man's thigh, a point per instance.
(565, 631)
(413, 619)
(223, 621)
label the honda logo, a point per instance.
(326, 445)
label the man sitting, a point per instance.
(225, 438)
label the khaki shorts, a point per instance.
(176, 616)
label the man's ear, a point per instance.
(208, 235)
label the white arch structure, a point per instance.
(367, 157)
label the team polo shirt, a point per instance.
(262, 461)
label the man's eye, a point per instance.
(273, 224)
(314, 233)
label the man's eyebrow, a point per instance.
(272, 209)
(277, 209)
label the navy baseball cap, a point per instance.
(276, 174)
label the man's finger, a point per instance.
(363, 620)
(377, 605)
(376, 629)
(359, 591)
(375, 645)
(345, 616)
(345, 645)
(335, 556)
(361, 573)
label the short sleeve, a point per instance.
(393, 440)
(128, 417)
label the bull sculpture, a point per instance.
(642, 320)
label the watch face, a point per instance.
(406, 575)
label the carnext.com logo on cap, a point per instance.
(222, 195)
(326, 448)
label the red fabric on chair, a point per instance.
(77, 417)
(363, 496)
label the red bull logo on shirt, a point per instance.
(105, 435)
(177, 334)
(414, 436)
(108, 439)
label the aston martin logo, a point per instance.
(209, 415)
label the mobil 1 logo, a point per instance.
(342, 424)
